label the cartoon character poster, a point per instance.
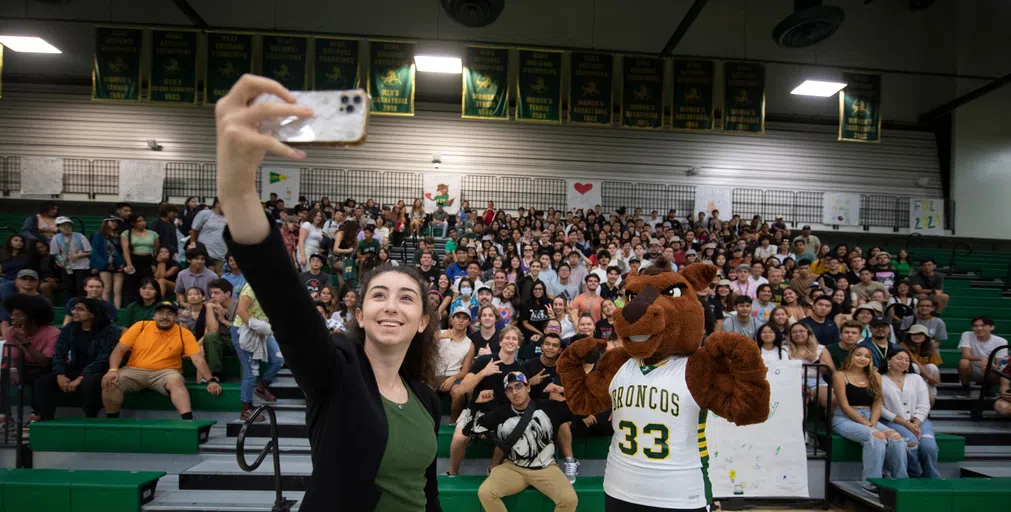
(441, 190)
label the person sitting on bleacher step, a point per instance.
(80, 360)
(214, 326)
(156, 362)
(30, 329)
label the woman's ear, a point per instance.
(425, 319)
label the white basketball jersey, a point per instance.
(658, 454)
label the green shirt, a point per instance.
(450, 246)
(838, 354)
(143, 245)
(368, 246)
(137, 312)
(410, 449)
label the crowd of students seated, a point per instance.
(511, 290)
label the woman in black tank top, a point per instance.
(857, 387)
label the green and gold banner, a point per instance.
(693, 95)
(229, 56)
(591, 94)
(173, 67)
(539, 87)
(285, 59)
(743, 97)
(391, 78)
(485, 83)
(116, 72)
(642, 93)
(335, 64)
(860, 108)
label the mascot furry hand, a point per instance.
(660, 385)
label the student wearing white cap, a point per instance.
(72, 253)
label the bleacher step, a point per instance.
(853, 490)
(170, 498)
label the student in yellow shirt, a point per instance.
(156, 351)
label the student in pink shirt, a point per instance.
(30, 319)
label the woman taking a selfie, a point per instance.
(372, 419)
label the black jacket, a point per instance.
(344, 411)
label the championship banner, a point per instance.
(441, 189)
(335, 64)
(860, 108)
(284, 58)
(591, 93)
(229, 56)
(583, 194)
(391, 78)
(141, 181)
(709, 198)
(743, 98)
(115, 75)
(642, 93)
(283, 181)
(926, 216)
(173, 67)
(539, 88)
(693, 95)
(767, 460)
(485, 83)
(41, 175)
(840, 209)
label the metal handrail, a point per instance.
(954, 252)
(977, 409)
(280, 504)
(818, 367)
(20, 453)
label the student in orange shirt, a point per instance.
(156, 351)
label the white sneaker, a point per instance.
(570, 467)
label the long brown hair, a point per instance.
(873, 377)
(423, 353)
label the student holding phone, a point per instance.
(372, 419)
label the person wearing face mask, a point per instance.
(467, 298)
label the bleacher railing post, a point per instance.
(272, 446)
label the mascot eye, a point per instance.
(631, 295)
(674, 291)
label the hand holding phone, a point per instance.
(340, 119)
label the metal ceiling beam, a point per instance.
(968, 97)
(686, 23)
(191, 14)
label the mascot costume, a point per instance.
(659, 385)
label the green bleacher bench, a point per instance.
(934, 495)
(951, 448)
(200, 399)
(583, 447)
(459, 494)
(76, 491)
(120, 435)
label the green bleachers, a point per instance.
(459, 494)
(200, 399)
(950, 448)
(75, 491)
(120, 435)
(933, 495)
(593, 447)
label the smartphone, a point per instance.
(341, 119)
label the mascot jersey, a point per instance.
(658, 454)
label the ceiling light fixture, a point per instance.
(28, 44)
(435, 64)
(818, 88)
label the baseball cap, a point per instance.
(919, 329)
(483, 287)
(63, 220)
(690, 252)
(879, 320)
(866, 305)
(513, 377)
(167, 305)
(723, 282)
(779, 217)
(675, 239)
(27, 272)
(654, 241)
(461, 310)
(317, 255)
(634, 258)
(112, 218)
(744, 266)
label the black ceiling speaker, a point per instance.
(810, 23)
(473, 13)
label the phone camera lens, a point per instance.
(350, 109)
(357, 100)
(344, 99)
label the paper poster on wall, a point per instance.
(41, 175)
(709, 198)
(141, 181)
(926, 216)
(441, 189)
(283, 181)
(841, 209)
(582, 194)
(768, 459)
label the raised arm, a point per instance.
(727, 376)
(256, 244)
(586, 393)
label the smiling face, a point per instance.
(392, 311)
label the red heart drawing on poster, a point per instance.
(583, 188)
(429, 196)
